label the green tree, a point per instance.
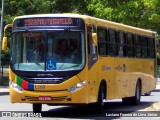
(68, 6)
(13, 8)
(139, 13)
(24, 7)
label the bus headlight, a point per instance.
(16, 87)
(77, 86)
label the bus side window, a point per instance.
(129, 43)
(121, 44)
(112, 34)
(144, 44)
(151, 45)
(137, 46)
(91, 47)
(92, 50)
(102, 41)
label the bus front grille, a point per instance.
(56, 80)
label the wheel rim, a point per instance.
(102, 96)
(138, 92)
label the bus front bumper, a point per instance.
(49, 97)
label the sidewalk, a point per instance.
(4, 91)
(157, 87)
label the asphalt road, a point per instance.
(82, 112)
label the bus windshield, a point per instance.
(47, 51)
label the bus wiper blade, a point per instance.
(71, 66)
(39, 65)
(61, 66)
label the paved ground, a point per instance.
(4, 91)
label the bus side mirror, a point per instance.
(4, 44)
(94, 38)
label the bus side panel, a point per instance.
(108, 74)
(122, 77)
(93, 81)
(142, 70)
(148, 76)
(136, 70)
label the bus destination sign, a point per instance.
(47, 22)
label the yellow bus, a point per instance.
(66, 59)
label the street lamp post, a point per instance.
(1, 30)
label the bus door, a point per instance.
(93, 67)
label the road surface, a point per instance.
(81, 112)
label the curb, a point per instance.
(4, 91)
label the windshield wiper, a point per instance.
(39, 65)
(61, 66)
(71, 66)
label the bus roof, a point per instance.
(96, 21)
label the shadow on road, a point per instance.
(156, 90)
(82, 112)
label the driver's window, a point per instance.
(92, 50)
(91, 47)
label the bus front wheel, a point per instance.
(37, 108)
(100, 102)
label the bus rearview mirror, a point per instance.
(94, 38)
(4, 44)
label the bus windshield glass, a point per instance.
(47, 51)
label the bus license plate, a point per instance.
(45, 98)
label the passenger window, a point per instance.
(129, 39)
(102, 44)
(112, 42)
(112, 36)
(144, 44)
(129, 45)
(151, 43)
(121, 44)
(137, 46)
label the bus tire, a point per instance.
(135, 100)
(100, 102)
(37, 108)
(148, 93)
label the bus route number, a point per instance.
(39, 87)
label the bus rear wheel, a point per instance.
(135, 100)
(148, 94)
(37, 108)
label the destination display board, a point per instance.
(47, 21)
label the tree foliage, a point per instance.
(139, 13)
(14, 8)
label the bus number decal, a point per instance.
(40, 87)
